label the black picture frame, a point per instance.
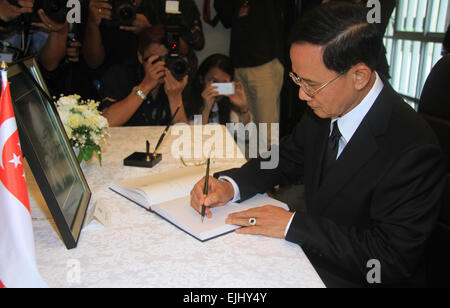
(48, 151)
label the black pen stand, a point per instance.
(143, 160)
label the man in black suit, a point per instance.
(372, 168)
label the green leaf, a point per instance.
(87, 152)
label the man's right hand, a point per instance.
(155, 71)
(98, 10)
(219, 194)
(10, 12)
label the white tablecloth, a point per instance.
(139, 249)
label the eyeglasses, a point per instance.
(194, 163)
(307, 88)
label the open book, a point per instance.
(168, 195)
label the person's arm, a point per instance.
(257, 177)
(55, 49)
(252, 179)
(121, 112)
(194, 37)
(219, 194)
(403, 211)
(239, 100)
(139, 24)
(73, 52)
(198, 37)
(9, 12)
(93, 49)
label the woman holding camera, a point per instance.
(157, 95)
(205, 98)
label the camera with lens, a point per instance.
(175, 63)
(123, 13)
(56, 10)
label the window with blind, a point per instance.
(413, 42)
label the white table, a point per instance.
(139, 249)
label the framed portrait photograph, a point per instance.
(48, 151)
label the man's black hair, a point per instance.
(344, 33)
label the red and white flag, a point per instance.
(18, 267)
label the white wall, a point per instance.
(217, 39)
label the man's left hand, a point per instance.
(49, 25)
(270, 221)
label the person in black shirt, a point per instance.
(105, 46)
(257, 43)
(157, 95)
(41, 37)
(191, 29)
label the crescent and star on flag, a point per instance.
(12, 173)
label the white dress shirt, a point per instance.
(348, 124)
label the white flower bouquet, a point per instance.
(86, 128)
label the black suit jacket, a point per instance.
(380, 201)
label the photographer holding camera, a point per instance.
(113, 27)
(185, 18)
(158, 93)
(40, 28)
(27, 28)
(106, 44)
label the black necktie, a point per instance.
(332, 149)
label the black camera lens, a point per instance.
(123, 13)
(126, 14)
(178, 67)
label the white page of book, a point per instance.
(181, 214)
(158, 188)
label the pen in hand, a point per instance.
(205, 189)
